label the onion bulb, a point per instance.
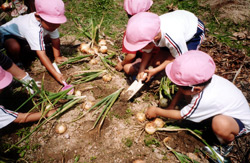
(107, 77)
(150, 128)
(159, 123)
(102, 42)
(60, 128)
(163, 102)
(84, 48)
(5, 6)
(91, 51)
(87, 105)
(141, 117)
(78, 93)
(103, 49)
(93, 61)
(139, 161)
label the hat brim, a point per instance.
(134, 47)
(7, 79)
(169, 74)
(55, 20)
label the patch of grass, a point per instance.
(128, 142)
(148, 141)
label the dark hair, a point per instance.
(201, 84)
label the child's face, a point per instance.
(49, 26)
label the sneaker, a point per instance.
(220, 151)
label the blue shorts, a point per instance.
(242, 130)
(197, 39)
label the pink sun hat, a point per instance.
(141, 30)
(51, 11)
(133, 7)
(191, 68)
(5, 78)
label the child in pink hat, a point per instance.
(132, 7)
(32, 29)
(178, 31)
(211, 97)
(8, 116)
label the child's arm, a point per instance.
(56, 51)
(153, 112)
(159, 68)
(47, 63)
(31, 117)
(128, 59)
(145, 59)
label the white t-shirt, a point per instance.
(219, 97)
(177, 28)
(27, 27)
(6, 116)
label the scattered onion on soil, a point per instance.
(107, 77)
(78, 93)
(102, 42)
(60, 128)
(163, 102)
(139, 161)
(103, 49)
(84, 48)
(150, 127)
(87, 105)
(93, 61)
(141, 117)
(159, 123)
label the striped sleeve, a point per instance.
(6, 116)
(189, 110)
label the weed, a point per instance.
(128, 142)
(151, 141)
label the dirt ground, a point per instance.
(122, 138)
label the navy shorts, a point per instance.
(197, 39)
(242, 128)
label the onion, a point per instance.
(103, 49)
(87, 105)
(107, 77)
(159, 123)
(139, 161)
(96, 49)
(102, 42)
(5, 6)
(141, 117)
(150, 128)
(60, 128)
(84, 48)
(93, 61)
(163, 102)
(78, 93)
(91, 51)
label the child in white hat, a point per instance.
(212, 97)
(8, 116)
(179, 31)
(32, 28)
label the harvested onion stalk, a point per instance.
(150, 128)
(60, 128)
(159, 123)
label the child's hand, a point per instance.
(119, 66)
(50, 113)
(151, 112)
(141, 76)
(150, 73)
(61, 59)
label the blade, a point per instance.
(133, 89)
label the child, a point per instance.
(33, 28)
(211, 97)
(179, 31)
(132, 7)
(7, 64)
(7, 116)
